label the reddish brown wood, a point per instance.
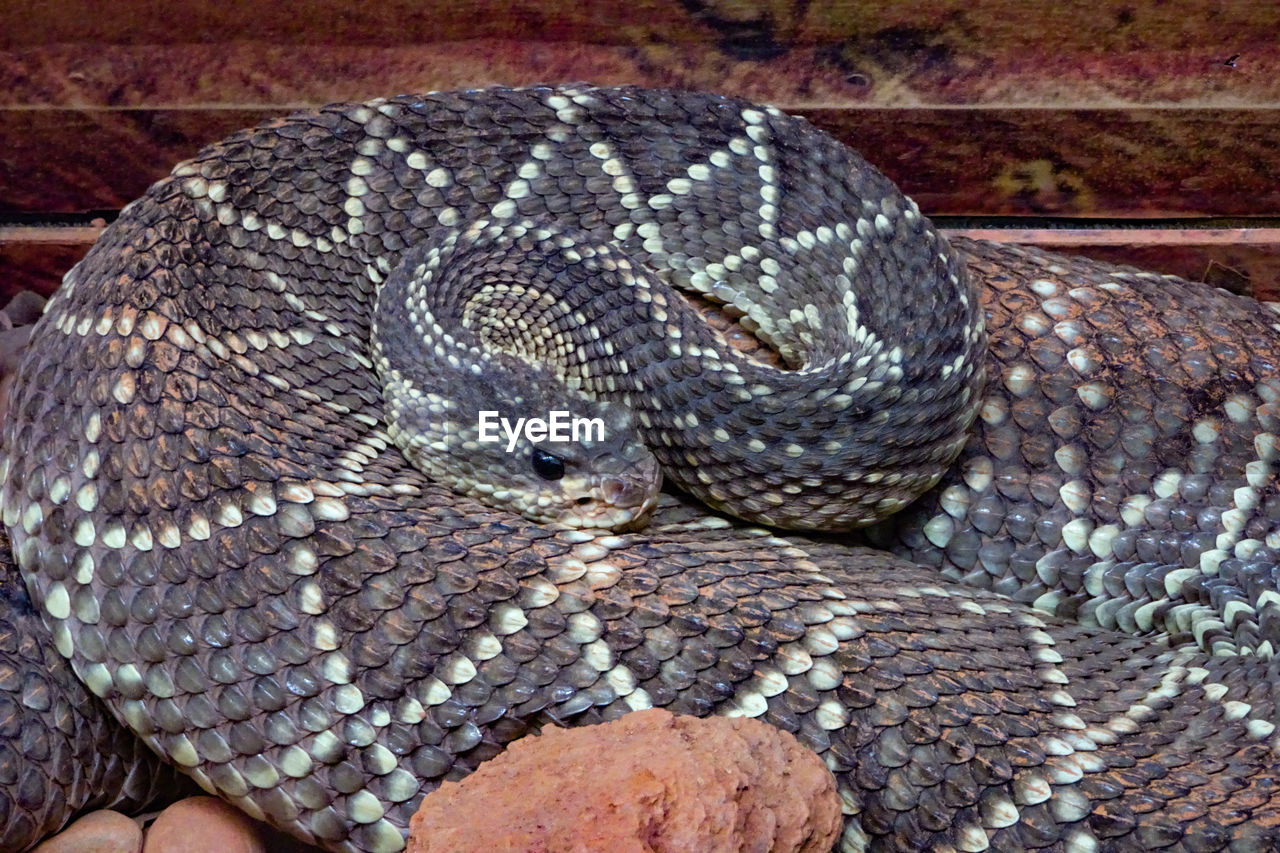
(898, 67)
(947, 41)
(34, 258)
(58, 161)
(1131, 108)
(1243, 260)
(1102, 163)
(1139, 108)
(962, 162)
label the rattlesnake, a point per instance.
(215, 523)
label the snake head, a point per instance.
(571, 461)
(593, 487)
(530, 446)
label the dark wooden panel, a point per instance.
(899, 67)
(933, 29)
(1243, 260)
(34, 258)
(998, 107)
(1129, 163)
(953, 162)
(58, 161)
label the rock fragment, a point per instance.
(650, 782)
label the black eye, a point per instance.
(545, 465)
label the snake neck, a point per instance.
(514, 323)
(484, 385)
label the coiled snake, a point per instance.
(214, 522)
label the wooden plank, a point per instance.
(33, 258)
(1246, 260)
(1242, 260)
(989, 106)
(934, 33)
(913, 67)
(1101, 163)
(73, 161)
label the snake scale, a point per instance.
(1067, 644)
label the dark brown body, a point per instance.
(211, 520)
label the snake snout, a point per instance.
(634, 490)
(619, 500)
(626, 491)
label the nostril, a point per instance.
(630, 490)
(615, 490)
(584, 500)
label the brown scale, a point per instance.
(325, 658)
(60, 751)
(1163, 381)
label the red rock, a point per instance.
(204, 825)
(103, 831)
(650, 782)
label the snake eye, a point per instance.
(545, 465)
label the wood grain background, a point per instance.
(1145, 132)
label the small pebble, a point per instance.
(650, 782)
(102, 831)
(204, 825)
(24, 308)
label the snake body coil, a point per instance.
(217, 527)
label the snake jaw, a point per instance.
(606, 518)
